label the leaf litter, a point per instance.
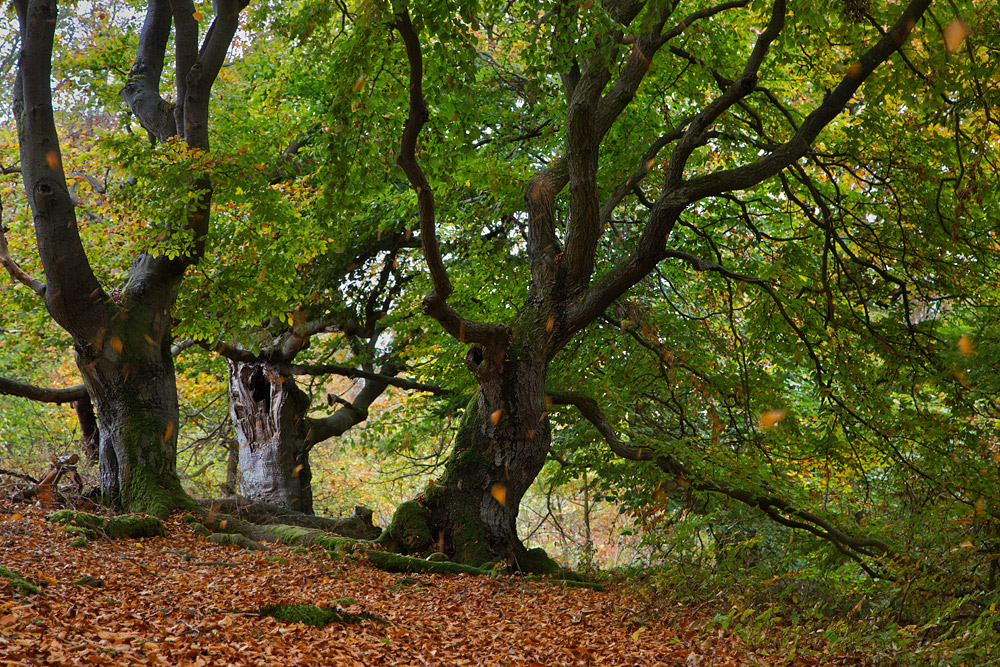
(181, 600)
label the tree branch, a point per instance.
(351, 372)
(141, 91)
(349, 415)
(673, 200)
(435, 304)
(779, 510)
(43, 394)
(15, 271)
(73, 295)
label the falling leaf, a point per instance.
(548, 401)
(197, 15)
(52, 158)
(149, 339)
(169, 431)
(965, 346)
(551, 323)
(854, 70)
(297, 469)
(499, 491)
(980, 506)
(771, 417)
(955, 33)
(495, 417)
(359, 84)
(116, 343)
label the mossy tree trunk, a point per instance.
(500, 448)
(128, 371)
(122, 334)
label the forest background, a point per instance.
(703, 293)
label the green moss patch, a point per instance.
(315, 616)
(235, 539)
(20, 584)
(391, 562)
(409, 530)
(125, 525)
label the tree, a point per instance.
(609, 60)
(122, 334)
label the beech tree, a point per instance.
(715, 120)
(122, 333)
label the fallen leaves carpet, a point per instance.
(180, 600)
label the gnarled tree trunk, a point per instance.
(275, 433)
(501, 446)
(268, 411)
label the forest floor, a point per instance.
(181, 600)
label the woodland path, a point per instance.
(180, 600)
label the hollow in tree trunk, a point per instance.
(268, 411)
(500, 448)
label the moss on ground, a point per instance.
(409, 530)
(315, 616)
(124, 525)
(391, 562)
(18, 582)
(235, 539)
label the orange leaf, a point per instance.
(965, 346)
(954, 34)
(771, 417)
(52, 158)
(499, 491)
(116, 343)
(495, 417)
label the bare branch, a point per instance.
(43, 394)
(15, 271)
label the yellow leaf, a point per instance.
(954, 34)
(980, 506)
(16, 517)
(771, 417)
(297, 469)
(965, 346)
(635, 635)
(499, 491)
(359, 84)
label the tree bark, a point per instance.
(134, 393)
(268, 411)
(501, 446)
